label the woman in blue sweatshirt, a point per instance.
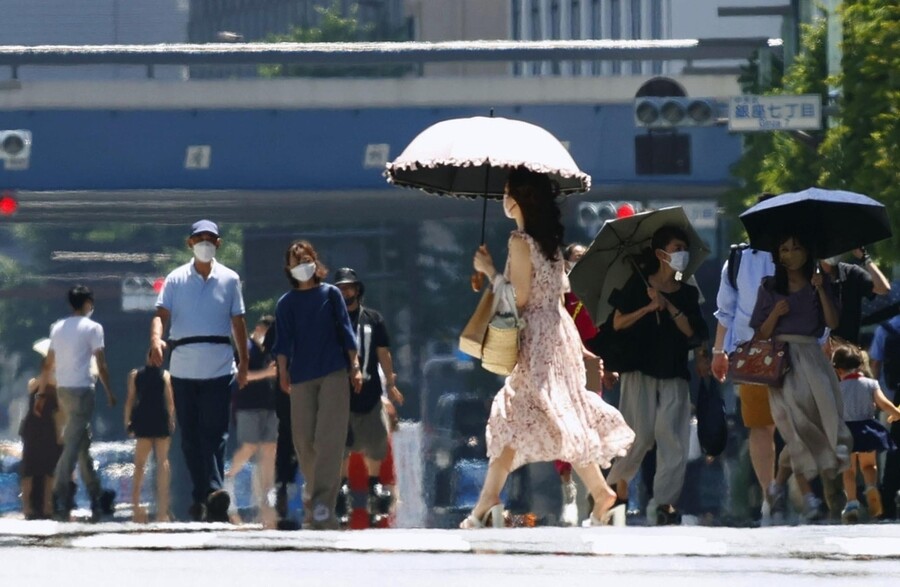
(316, 353)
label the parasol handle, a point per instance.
(477, 279)
(644, 279)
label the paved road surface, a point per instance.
(194, 555)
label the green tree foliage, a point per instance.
(858, 151)
(333, 27)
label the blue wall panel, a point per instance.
(307, 149)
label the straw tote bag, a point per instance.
(492, 333)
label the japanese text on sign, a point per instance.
(761, 113)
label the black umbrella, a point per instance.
(831, 221)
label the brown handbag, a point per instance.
(471, 339)
(760, 362)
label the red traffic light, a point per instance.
(158, 284)
(624, 211)
(8, 204)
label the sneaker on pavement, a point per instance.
(197, 512)
(765, 514)
(850, 514)
(108, 501)
(873, 502)
(777, 500)
(569, 514)
(217, 505)
(812, 508)
(379, 500)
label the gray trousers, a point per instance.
(658, 410)
(320, 415)
(78, 406)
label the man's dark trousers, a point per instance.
(202, 407)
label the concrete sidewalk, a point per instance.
(867, 542)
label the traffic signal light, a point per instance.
(15, 149)
(592, 215)
(671, 112)
(8, 203)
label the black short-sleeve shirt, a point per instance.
(854, 283)
(256, 395)
(660, 349)
(371, 334)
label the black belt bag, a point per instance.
(174, 344)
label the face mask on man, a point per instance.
(204, 251)
(89, 313)
(303, 271)
(679, 260)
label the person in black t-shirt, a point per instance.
(257, 423)
(662, 319)
(368, 422)
(853, 283)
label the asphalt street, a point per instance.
(46, 553)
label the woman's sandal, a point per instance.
(492, 518)
(614, 516)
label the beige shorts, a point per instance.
(755, 409)
(370, 433)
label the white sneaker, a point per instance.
(812, 508)
(569, 514)
(765, 519)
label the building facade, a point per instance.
(94, 22)
(538, 20)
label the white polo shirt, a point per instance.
(201, 307)
(74, 340)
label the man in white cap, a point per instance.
(203, 304)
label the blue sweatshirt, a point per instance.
(313, 331)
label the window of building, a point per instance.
(555, 30)
(516, 20)
(535, 32)
(636, 31)
(596, 30)
(656, 29)
(575, 19)
(575, 30)
(615, 29)
(516, 24)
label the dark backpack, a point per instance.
(734, 262)
(891, 362)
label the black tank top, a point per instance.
(149, 385)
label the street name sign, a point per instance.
(764, 113)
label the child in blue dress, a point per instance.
(861, 395)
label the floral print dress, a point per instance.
(544, 411)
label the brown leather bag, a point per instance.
(760, 362)
(471, 339)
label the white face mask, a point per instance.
(506, 210)
(204, 251)
(679, 260)
(89, 313)
(833, 261)
(303, 271)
